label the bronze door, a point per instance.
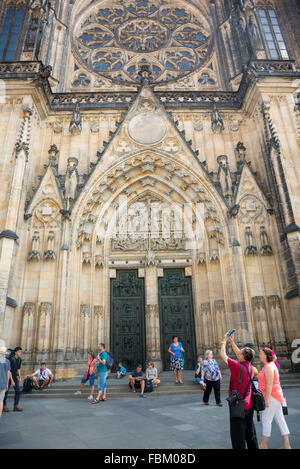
(176, 315)
(127, 318)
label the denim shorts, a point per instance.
(91, 379)
(102, 380)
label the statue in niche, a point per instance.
(76, 125)
(224, 177)
(251, 250)
(49, 253)
(34, 254)
(71, 180)
(241, 154)
(255, 33)
(266, 249)
(217, 123)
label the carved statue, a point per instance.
(266, 249)
(34, 254)
(255, 33)
(251, 250)
(71, 180)
(217, 123)
(224, 176)
(76, 125)
(50, 254)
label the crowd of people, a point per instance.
(244, 379)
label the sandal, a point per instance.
(102, 399)
(96, 401)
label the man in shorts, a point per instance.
(42, 377)
(136, 380)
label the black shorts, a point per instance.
(137, 384)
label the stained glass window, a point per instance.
(9, 33)
(116, 38)
(273, 35)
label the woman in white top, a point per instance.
(152, 374)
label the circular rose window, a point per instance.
(114, 38)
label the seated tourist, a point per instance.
(136, 380)
(198, 371)
(42, 377)
(121, 371)
(152, 374)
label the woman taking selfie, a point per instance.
(268, 381)
(176, 364)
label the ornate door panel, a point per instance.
(127, 318)
(176, 315)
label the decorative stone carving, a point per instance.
(150, 258)
(214, 256)
(251, 250)
(49, 254)
(86, 258)
(99, 261)
(147, 128)
(260, 316)
(76, 124)
(276, 323)
(45, 309)
(71, 180)
(34, 254)
(171, 145)
(94, 126)
(266, 249)
(201, 258)
(99, 312)
(198, 124)
(217, 123)
(85, 310)
(224, 177)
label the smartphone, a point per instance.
(230, 332)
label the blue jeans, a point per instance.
(102, 380)
(17, 392)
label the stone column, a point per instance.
(8, 235)
(153, 352)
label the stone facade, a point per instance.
(145, 167)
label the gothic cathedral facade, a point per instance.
(150, 177)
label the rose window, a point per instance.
(114, 38)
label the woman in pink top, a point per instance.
(269, 384)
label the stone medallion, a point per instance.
(147, 128)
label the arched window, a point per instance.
(273, 35)
(9, 33)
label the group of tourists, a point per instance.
(137, 380)
(244, 380)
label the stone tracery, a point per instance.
(115, 38)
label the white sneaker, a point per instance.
(90, 398)
(77, 393)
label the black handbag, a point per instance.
(258, 400)
(236, 402)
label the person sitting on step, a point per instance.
(121, 371)
(136, 380)
(42, 378)
(152, 374)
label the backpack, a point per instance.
(10, 353)
(148, 385)
(258, 400)
(28, 385)
(110, 361)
